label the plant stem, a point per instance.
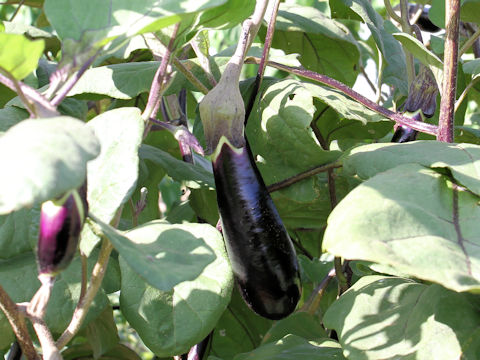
(392, 12)
(311, 306)
(463, 95)
(263, 61)
(49, 349)
(17, 322)
(407, 29)
(20, 4)
(158, 83)
(29, 96)
(72, 81)
(304, 175)
(342, 280)
(84, 304)
(469, 42)
(189, 76)
(398, 118)
(449, 83)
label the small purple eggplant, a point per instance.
(61, 222)
(261, 253)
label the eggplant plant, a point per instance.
(266, 179)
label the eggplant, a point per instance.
(405, 133)
(260, 250)
(61, 222)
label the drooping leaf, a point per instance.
(393, 318)
(463, 160)
(293, 347)
(102, 333)
(20, 55)
(36, 172)
(170, 322)
(195, 175)
(113, 174)
(415, 220)
(325, 45)
(165, 255)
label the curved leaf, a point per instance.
(21, 55)
(36, 170)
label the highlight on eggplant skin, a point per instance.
(262, 255)
(61, 222)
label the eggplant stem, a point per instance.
(18, 324)
(189, 76)
(49, 349)
(38, 305)
(342, 279)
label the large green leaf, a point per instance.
(325, 45)
(102, 333)
(156, 249)
(170, 322)
(472, 67)
(469, 12)
(51, 42)
(19, 55)
(394, 318)
(463, 160)
(120, 81)
(284, 145)
(415, 220)
(293, 347)
(113, 174)
(195, 175)
(35, 169)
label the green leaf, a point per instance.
(472, 67)
(415, 220)
(51, 41)
(10, 116)
(107, 20)
(18, 278)
(113, 174)
(102, 333)
(325, 45)
(425, 56)
(463, 160)
(284, 145)
(394, 58)
(34, 172)
(239, 329)
(470, 11)
(84, 351)
(299, 324)
(293, 347)
(22, 55)
(196, 176)
(165, 255)
(394, 318)
(119, 81)
(171, 322)
(15, 232)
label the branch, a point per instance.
(463, 95)
(158, 83)
(263, 61)
(49, 349)
(17, 322)
(306, 174)
(29, 96)
(404, 13)
(84, 303)
(469, 42)
(311, 306)
(398, 118)
(189, 76)
(449, 84)
(72, 81)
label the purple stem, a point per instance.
(398, 118)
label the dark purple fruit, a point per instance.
(61, 222)
(261, 253)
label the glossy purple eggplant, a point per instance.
(259, 248)
(405, 133)
(61, 222)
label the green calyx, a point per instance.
(222, 111)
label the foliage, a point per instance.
(398, 222)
